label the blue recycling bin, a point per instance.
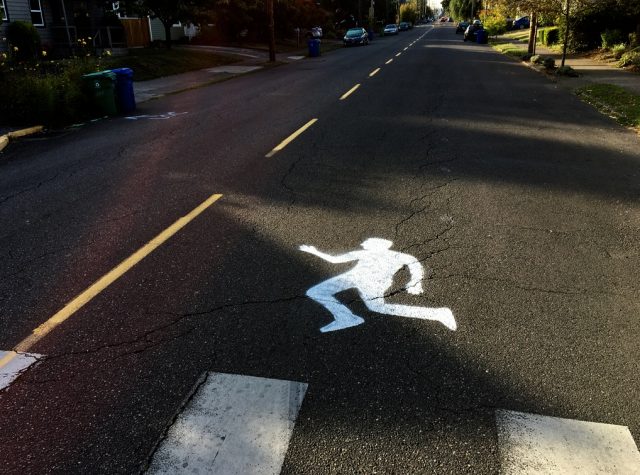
(314, 47)
(125, 98)
(482, 37)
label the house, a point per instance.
(61, 23)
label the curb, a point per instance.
(5, 139)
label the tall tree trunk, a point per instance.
(532, 33)
(566, 34)
(167, 32)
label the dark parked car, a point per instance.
(520, 23)
(472, 30)
(356, 36)
(403, 26)
(462, 26)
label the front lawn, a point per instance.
(152, 63)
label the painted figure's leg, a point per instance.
(442, 314)
(323, 293)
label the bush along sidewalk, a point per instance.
(37, 90)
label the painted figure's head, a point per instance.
(375, 244)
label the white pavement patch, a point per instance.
(295, 58)
(13, 364)
(533, 444)
(233, 425)
(233, 69)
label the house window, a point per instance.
(36, 13)
(3, 11)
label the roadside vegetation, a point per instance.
(35, 89)
(613, 101)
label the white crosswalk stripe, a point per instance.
(13, 364)
(533, 444)
(232, 425)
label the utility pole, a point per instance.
(272, 32)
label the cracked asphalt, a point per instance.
(520, 201)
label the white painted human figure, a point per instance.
(372, 276)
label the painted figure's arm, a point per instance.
(328, 257)
(417, 274)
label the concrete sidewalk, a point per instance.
(250, 60)
(590, 70)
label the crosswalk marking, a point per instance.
(13, 364)
(233, 424)
(532, 444)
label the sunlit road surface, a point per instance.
(518, 203)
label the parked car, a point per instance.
(403, 26)
(472, 30)
(520, 23)
(391, 29)
(356, 36)
(462, 26)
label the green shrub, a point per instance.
(630, 58)
(552, 36)
(549, 63)
(51, 96)
(618, 50)
(611, 37)
(536, 58)
(495, 25)
(24, 41)
(548, 36)
(567, 71)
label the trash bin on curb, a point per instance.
(481, 37)
(314, 47)
(125, 97)
(102, 88)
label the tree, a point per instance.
(170, 12)
(461, 9)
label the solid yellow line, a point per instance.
(117, 272)
(374, 72)
(390, 61)
(349, 92)
(291, 138)
(398, 54)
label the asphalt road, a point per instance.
(520, 201)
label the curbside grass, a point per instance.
(613, 101)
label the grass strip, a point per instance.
(152, 63)
(508, 48)
(613, 101)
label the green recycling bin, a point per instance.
(101, 87)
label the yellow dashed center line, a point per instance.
(390, 61)
(291, 138)
(349, 92)
(374, 72)
(102, 283)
